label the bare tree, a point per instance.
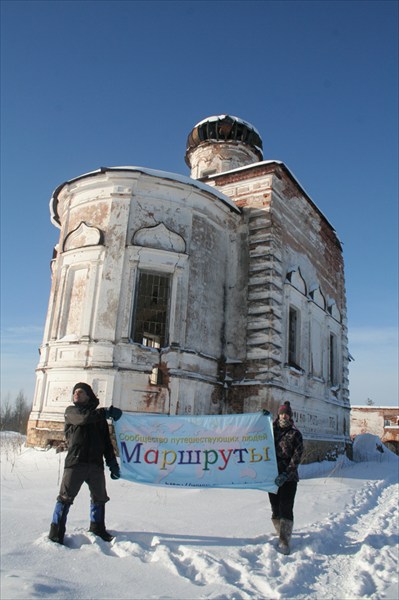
(14, 417)
(5, 413)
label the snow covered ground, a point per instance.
(203, 543)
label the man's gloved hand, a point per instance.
(281, 479)
(114, 469)
(113, 413)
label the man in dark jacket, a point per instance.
(289, 448)
(88, 440)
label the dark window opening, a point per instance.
(293, 338)
(212, 131)
(150, 323)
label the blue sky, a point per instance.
(90, 84)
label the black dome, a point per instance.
(224, 128)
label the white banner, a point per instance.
(200, 451)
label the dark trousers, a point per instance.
(75, 476)
(283, 502)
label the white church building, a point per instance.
(221, 292)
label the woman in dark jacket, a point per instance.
(289, 448)
(89, 442)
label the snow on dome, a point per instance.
(224, 129)
(222, 117)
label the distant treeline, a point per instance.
(14, 415)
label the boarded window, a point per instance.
(74, 302)
(316, 355)
(151, 313)
(333, 364)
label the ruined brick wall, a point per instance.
(382, 421)
(371, 419)
(377, 420)
(311, 247)
(252, 192)
(287, 234)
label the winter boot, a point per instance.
(276, 523)
(285, 535)
(97, 525)
(58, 524)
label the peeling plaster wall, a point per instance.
(374, 419)
(213, 157)
(114, 224)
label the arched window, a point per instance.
(295, 278)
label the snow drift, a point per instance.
(202, 543)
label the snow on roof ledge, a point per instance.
(375, 407)
(291, 174)
(152, 173)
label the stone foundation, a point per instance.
(42, 434)
(49, 434)
(319, 450)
